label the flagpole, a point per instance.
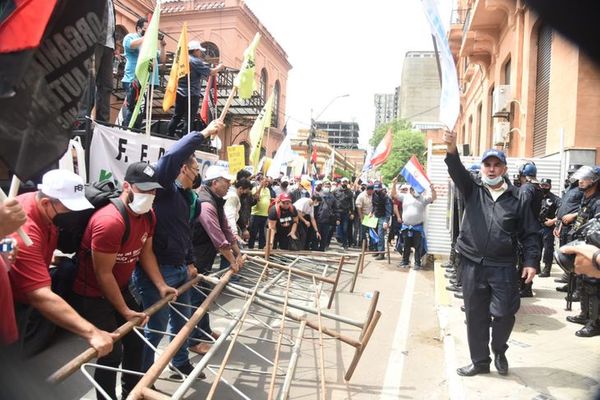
(189, 98)
(228, 104)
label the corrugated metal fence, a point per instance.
(439, 214)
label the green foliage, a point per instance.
(406, 142)
(343, 173)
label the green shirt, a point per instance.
(262, 207)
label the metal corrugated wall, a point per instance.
(439, 213)
(542, 90)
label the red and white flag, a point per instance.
(383, 150)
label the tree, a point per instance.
(406, 142)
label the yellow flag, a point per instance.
(257, 132)
(180, 68)
(244, 80)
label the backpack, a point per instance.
(99, 194)
(326, 212)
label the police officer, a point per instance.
(550, 204)
(589, 185)
(494, 215)
(531, 193)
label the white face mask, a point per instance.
(491, 181)
(141, 203)
(326, 190)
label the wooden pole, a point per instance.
(280, 337)
(294, 270)
(335, 284)
(189, 98)
(228, 104)
(73, 365)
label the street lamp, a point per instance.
(313, 127)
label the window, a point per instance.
(275, 116)
(507, 66)
(542, 90)
(263, 84)
(476, 149)
(212, 53)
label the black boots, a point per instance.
(546, 271)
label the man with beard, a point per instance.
(110, 249)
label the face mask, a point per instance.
(344, 185)
(491, 181)
(141, 203)
(546, 191)
(326, 190)
(66, 221)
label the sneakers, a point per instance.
(185, 369)
(588, 330)
(201, 348)
(417, 267)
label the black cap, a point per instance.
(142, 175)
(545, 181)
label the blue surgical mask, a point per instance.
(491, 181)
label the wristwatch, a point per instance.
(595, 260)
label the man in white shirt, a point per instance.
(232, 208)
(307, 227)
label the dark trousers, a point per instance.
(128, 351)
(342, 230)
(548, 241)
(325, 230)
(411, 239)
(181, 111)
(491, 296)
(257, 230)
(102, 87)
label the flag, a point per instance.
(383, 150)
(244, 80)
(415, 175)
(450, 94)
(329, 163)
(257, 132)
(41, 86)
(283, 156)
(146, 59)
(209, 101)
(180, 68)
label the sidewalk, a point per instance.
(546, 359)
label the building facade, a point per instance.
(342, 135)
(420, 87)
(225, 28)
(385, 108)
(524, 87)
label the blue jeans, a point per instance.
(174, 276)
(342, 230)
(381, 234)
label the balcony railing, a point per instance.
(459, 16)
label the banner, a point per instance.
(450, 95)
(113, 149)
(236, 158)
(38, 112)
(244, 80)
(180, 68)
(257, 131)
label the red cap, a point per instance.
(285, 197)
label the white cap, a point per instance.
(217, 171)
(67, 187)
(344, 179)
(195, 45)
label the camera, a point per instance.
(588, 233)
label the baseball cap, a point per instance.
(67, 187)
(143, 175)
(195, 45)
(344, 179)
(545, 181)
(217, 171)
(377, 185)
(285, 197)
(494, 153)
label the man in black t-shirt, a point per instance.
(283, 221)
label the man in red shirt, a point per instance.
(12, 217)
(107, 259)
(60, 193)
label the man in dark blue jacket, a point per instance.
(495, 219)
(177, 172)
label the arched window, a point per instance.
(263, 84)
(212, 55)
(276, 92)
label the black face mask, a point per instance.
(197, 182)
(66, 221)
(546, 191)
(344, 186)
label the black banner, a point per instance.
(36, 123)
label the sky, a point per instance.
(341, 47)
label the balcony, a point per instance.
(482, 26)
(458, 19)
